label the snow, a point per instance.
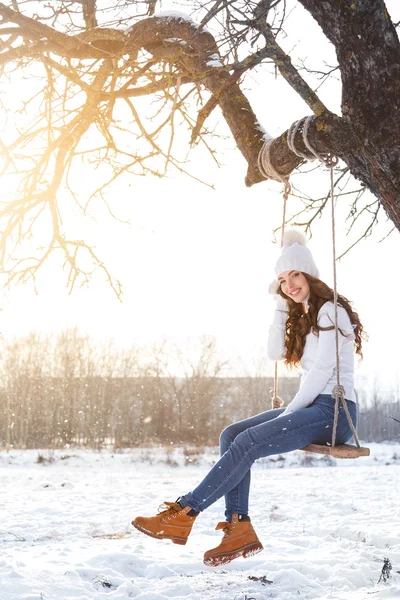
(326, 527)
(214, 61)
(267, 136)
(171, 14)
(175, 14)
(176, 41)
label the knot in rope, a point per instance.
(277, 402)
(331, 160)
(338, 392)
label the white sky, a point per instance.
(195, 261)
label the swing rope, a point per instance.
(268, 170)
(338, 390)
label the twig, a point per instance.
(18, 537)
(385, 574)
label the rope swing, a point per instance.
(268, 170)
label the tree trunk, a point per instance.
(368, 52)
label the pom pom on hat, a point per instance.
(295, 256)
(293, 236)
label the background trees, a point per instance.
(64, 390)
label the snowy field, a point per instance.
(326, 528)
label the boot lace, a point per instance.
(169, 509)
(226, 528)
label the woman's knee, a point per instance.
(227, 436)
(244, 442)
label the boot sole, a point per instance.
(227, 557)
(158, 536)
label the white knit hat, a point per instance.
(295, 256)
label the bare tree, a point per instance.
(81, 69)
(196, 409)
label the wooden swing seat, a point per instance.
(342, 451)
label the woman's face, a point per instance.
(294, 285)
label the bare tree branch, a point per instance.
(90, 63)
(89, 13)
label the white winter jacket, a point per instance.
(318, 363)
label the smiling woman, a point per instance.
(303, 332)
(304, 311)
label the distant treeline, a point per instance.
(66, 390)
(126, 412)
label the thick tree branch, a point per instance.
(273, 51)
(329, 135)
(200, 57)
(248, 63)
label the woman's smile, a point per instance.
(294, 292)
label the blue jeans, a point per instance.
(263, 435)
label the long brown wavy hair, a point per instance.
(299, 322)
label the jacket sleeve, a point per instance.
(276, 336)
(325, 361)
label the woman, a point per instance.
(302, 333)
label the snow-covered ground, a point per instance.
(66, 534)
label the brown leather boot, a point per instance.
(240, 539)
(171, 523)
